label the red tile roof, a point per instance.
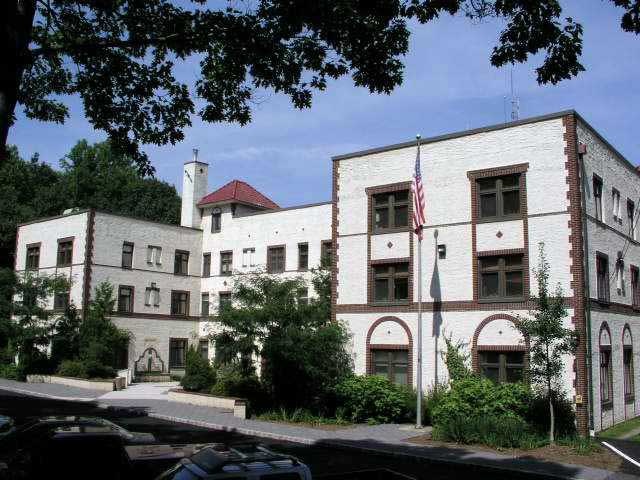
(238, 191)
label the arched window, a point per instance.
(606, 378)
(627, 363)
(389, 350)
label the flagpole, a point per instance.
(419, 365)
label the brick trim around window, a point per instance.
(474, 175)
(409, 346)
(475, 347)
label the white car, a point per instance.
(240, 462)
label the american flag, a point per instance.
(418, 198)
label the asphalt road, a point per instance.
(321, 460)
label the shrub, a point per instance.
(98, 370)
(504, 431)
(199, 375)
(565, 418)
(73, 368)
(299, 415)
(372, 399)
(10, 371)
(475, 396)
(232, 383)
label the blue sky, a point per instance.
(449, 85)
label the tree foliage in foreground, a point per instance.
(120, 56)
(304, 355)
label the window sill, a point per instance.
(180, 274)
(502, 300)
(629, 398)
(603, 303)
(607, 405)
(63, 266)
(383, 231)
(390, 304)
(508, 218)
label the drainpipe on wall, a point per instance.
(587, 294)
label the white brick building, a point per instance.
(492, 195)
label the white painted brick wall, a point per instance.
(390, 245)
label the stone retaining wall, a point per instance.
(107, 385)
(238, 405)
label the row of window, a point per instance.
(606, 370)
(501, 278)
(178, 351)
(616, 212)
(276, 258)
(64, 255)
(603, 280)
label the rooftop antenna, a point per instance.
(515, 102)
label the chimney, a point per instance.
(194, 187)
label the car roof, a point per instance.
(240, 458)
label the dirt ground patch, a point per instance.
(600, 457)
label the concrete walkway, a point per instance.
(386, 439)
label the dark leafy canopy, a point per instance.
(119, 56)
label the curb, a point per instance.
(47, 395)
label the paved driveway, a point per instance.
(145, 391)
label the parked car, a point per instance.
(7, 426)
(239, 462)
(68, 447)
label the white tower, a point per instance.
(194, 187)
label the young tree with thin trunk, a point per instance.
(549, 339)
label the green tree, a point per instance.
(119, 56)
(303, 353)
(548, 338)
(65, 340)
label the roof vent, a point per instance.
(195, 154)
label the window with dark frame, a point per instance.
(203, 348)
(224, 299)
(635, 288)
(606, 381)
(65, 253)
(303, 296)
(60, 301)
(181, 263)
(391, 282)
(326, 253)
(502, 366)
(597, 197)
(303, 256)
(627, 364)
(125, 299)
(127, 255)
(275, 259)
(206, 264)
(602, 277)
(499, 197)
(204, 306)
(33, 257)
(390, 210)
(391, 364)
(501, 278)
(226, 263)
(177, 352)
(631, 215)
(216, 222)
(179, 303)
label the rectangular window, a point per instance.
(602, 277)
(127, 255)
(248, 257)
(501, 278)
(177, 352)
(152, 296)
(620, 277)
(502, 367)
(275, 259)
(390, 210)
(204, 308)
(597, 197)
(60, 301)
(203, 348)
(154, 255)
(499, 197)
(606, 383)
(33, 257)
(181, 263)
(303, 256)
(635, 288)
(125, 299)
(303, 296)
(224, 299)
(179, 303)
(65, 252)
(326, 253)
(391, 364)
(206, 264)
(216, 223)
(391, 282)
(627, 361)
(615, 203)
(631, 216)
(226, 263)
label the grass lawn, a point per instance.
(621, 429)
